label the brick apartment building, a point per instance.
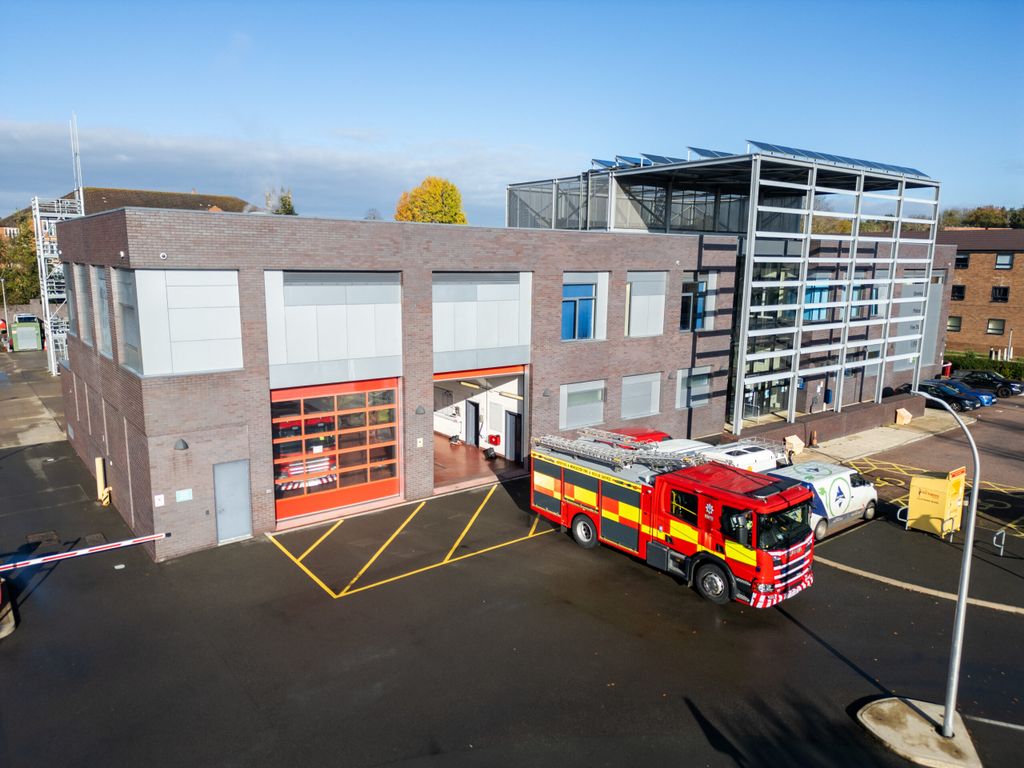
(987, 291)
(241, 374)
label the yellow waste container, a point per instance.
(937, 502)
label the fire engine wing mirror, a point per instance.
(742, 522)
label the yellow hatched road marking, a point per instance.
(425, 568)
(316, 543)
(306, 570)
(380, 551)
(470, 525)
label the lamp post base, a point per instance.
(913, 730)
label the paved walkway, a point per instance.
(31, 402)
(879, 439)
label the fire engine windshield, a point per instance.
(783, 529)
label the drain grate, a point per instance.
(43, 537)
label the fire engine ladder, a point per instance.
(613, 456)
(615, 438)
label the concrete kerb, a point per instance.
(911, 730)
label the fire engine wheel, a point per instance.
(583, 532)
(712, 584)
(821, 529)
(869, 511)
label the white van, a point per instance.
(841, 495)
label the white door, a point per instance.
(231, 496)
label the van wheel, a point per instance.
(712, 584)
(869, 511)
(820, 530)
(583, 532)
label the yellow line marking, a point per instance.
(380, 551)
(306, 570)
(470, 524)
(454, 560)
(922, 590)
(533, 528)
(316, 543)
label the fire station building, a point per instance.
(243, 373)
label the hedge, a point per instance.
(972, 361)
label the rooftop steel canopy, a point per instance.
(806, 154)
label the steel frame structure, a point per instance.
(46, 212)
(872, 183)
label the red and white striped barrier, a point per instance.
(80, 552)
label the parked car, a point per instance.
(841, 495)
(991, 381)
(949, 395)
(986, 398)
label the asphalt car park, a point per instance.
(464, 631)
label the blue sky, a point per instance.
(350, 103)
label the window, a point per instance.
(69, 282)
(995, 327)
(1004, 261)
(695, 311)
(693, 387)
(734, 521)
(958, 293)
(581, 404)
(641, 395)
(1001, 293)
(103, 309)
(86, 326)
(684, 506)
(816, 294)
(963, 261)
(953, 324)
(645, 303)
(129, 340)
(578, 303)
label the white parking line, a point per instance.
(921, 590)
(1000, 723)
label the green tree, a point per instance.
(986, 216)
(435, 200)
(18, 264)
(280, 202)
(1015, 218)
(952, 217)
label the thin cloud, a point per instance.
(330, 181)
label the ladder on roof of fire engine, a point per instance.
(614, 456)
(615, 438)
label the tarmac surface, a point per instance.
(463, 631)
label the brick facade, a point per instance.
(134, 422)
(977, 307)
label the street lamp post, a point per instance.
(7, 322)
(956, 646)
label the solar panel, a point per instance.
(623, 160)
(661, 159)
(710, 153)
(779, 149)
(604, 163)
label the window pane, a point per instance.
(383, 472)
(383, 416)
(383, 397)
(384, 435)
(686, 313)
(352, 420)
(319, 404)
(321, 484)
(319, 424)
(287, 449)
(351, 439)
(320, 444)
(286, 429)
(352, 458)
(284, 470)
(568, 320)
(953, 323)
(578, 290)
(684, 506)
(354, 400)
(382, 453)
(585, 315)
(286, 408)
(288, 490)
(352, 477)
(321, 464)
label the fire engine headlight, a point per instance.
(765, 587)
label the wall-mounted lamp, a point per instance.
(470, 384)
(420, 410)
(671, 376)
(546, 393)
(181, 445)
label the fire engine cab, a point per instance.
(731, 533)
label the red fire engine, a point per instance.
(730, 533)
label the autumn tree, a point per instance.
(986, 216)
(18, 264)
(435, 200)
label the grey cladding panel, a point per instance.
(327, 288)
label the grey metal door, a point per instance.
(231, 496)
(472, 423)
(513, 436)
